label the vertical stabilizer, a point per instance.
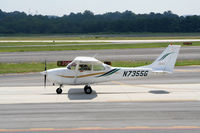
(166, 61)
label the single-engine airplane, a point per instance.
(88, 70)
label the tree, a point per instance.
(87, 22)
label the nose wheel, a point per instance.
(87, 89)
(59, 90)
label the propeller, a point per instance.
(45, 75)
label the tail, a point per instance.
(166, 61)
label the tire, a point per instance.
(87, 89)
(59, 91)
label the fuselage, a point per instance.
(66, 76)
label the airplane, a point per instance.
(89, 70)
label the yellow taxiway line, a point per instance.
(102, 128)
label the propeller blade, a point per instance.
(45, 76)
(45, 80)
(45, 67)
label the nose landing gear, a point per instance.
(59, 90)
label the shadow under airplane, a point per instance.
(159, 92)
(78, 94)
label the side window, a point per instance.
(98, 67)
(85, 67)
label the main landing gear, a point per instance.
(59, 90)
(88, 89)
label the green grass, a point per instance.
(187, 62)
(130, 63)
(143, 63)
(43, 43)
(90, 47)
(24, 67)
(100, 36)
(38, 67)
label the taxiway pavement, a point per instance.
(101, 93)
(190, 52)
(137, 117)
(181, 75)
(182, 85)
(166, 103)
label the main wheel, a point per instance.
(87, 89)
(59, 91)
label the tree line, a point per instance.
(88, 22)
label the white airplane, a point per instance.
(88, 70)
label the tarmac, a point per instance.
(164, 103)
(186, 53)
(102, 93)
(182, 85)
(101, 117)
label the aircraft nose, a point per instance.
(44, 73)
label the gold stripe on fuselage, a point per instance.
(66, 76)
(82, 76)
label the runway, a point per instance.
(138, 117)
(181, 75)
(183, 85)
(102, 93)
(166, 103)
(190, 52)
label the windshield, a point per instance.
(71, 66)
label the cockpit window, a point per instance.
(72, 66)
(85, 67)
(98, 67)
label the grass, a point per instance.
(130, 63)
(24, 67)
(90, 47)
(42, 43)
(100, 36)
(38, 66)
(143, 63)
(187, 62)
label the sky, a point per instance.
(65, 7)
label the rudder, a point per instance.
(166, 61)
